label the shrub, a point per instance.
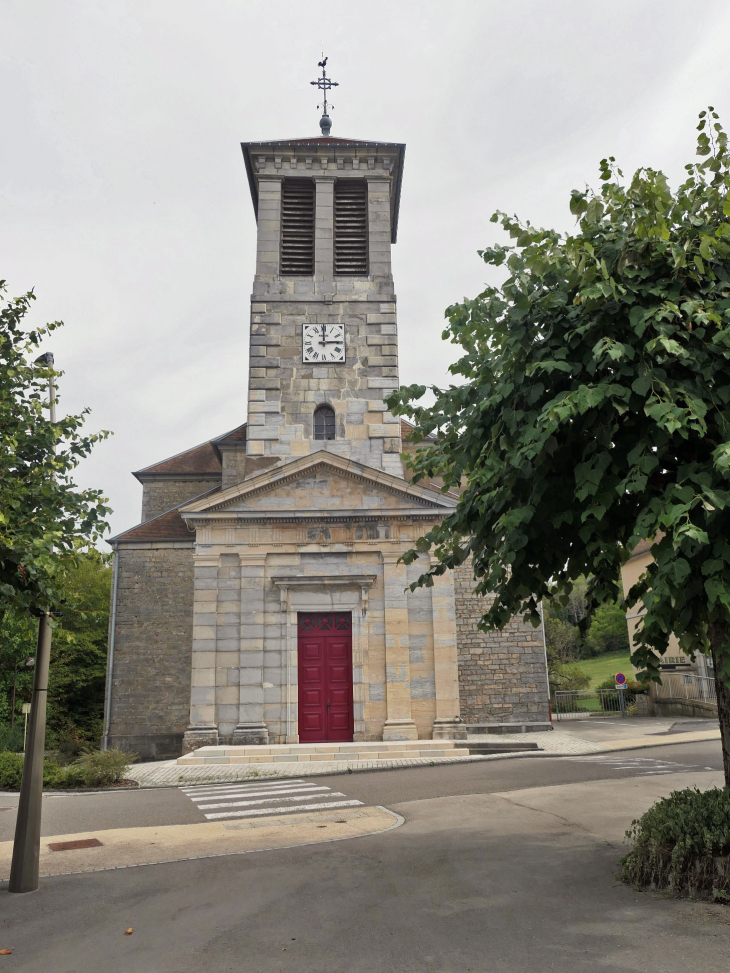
(632, 689)
(570, 676)
(682, 844)
(11, 737)
(92, 769)
(100, 768)
(11, 770)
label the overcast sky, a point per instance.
(123, 194)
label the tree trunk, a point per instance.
(719, 636)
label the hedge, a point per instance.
(95, 768)
(682, 845)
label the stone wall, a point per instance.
(150, 705)
(161, 495)
(502, 676)
(283, 390)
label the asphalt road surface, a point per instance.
(472, 881)
(71, 813)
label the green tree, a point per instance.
(17, 645)
(594, 412)
(78, 662)
(45, 520)
(608, 631)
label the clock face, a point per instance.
(323, 343)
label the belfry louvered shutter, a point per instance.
(297, 227)
(351, 227)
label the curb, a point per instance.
(399, 820)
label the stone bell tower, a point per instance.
(324, 350)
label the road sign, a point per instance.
(620, 679)
(26, 708)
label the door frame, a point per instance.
(318, 593)
(327, 634)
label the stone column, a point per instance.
(399, 724)
(203, 729)
(448, 724)
(251, 728)
(324, 227)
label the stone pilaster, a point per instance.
(447, 724)
(379, 226)
(251, 728)
(324, 226)
(203, 729)
(399, 723)
(269, 227)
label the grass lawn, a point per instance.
(603, 666)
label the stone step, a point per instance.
(485, 749)
(304, 753)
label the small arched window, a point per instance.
(324, 422)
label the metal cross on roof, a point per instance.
(324, 84)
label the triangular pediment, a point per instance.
(321, 482)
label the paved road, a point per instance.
(71, 813)
(521, 881)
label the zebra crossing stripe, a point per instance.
(270, 800)
(242, 785)
(258, 793)
(255, 812)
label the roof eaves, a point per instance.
(118, 537)
(247, 146)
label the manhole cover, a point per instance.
(72, 845)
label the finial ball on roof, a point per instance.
(325, 123)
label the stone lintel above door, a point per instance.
(286, 584)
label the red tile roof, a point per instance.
(200, 459)
(168, 526)
(234, 436)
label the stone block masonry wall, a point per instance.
(161, 495)
(150, 704)
(502, 676)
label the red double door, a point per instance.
(325, 677)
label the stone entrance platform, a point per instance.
(309, 752)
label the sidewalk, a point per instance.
(570, 738)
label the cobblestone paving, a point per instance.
(169, 773)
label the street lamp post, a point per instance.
(27, 844)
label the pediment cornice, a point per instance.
(421, 500)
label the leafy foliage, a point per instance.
(44, 518)
(94, 768)
(568, 676)
(607, 628)
(682, 844)
(78, 657)
(594, 412)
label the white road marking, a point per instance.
(243, 785)
(642, 766)
(277, 810)
(276, 796)
(270, 800)
(260, 793)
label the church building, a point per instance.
(261, 599)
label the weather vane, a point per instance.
(324, 84)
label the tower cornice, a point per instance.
(311, 157)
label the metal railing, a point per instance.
(685, 685)
(583, 704)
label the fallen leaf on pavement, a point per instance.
(128, 932)
(5, 952)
